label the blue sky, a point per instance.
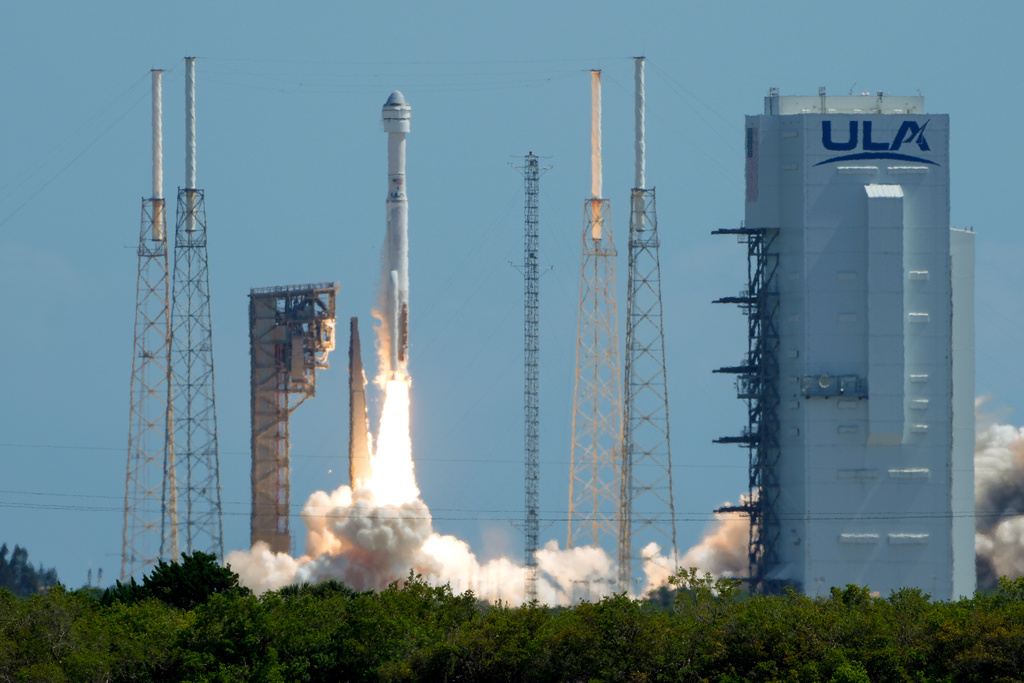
(292, 158)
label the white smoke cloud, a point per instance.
(368, 546)
(262, 570)
(723, 550)
(998, 500)
(351, 538)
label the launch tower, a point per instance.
(859, 370)
(194, 406)
(291, 333)
(150, 515)
(594, 485)
(648, 506)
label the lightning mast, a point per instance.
(648, 507)
(150, 508)
(195, 424)
(531, 351)
(594, 486)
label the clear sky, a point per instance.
(292, 158)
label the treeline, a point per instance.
(192, 622)
(19, 576)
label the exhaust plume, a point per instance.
(998, 500)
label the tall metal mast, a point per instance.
(594, 485)
(194, 404)
(150, 509)
(648, 507)
(531, 351)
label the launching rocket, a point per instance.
(358, 440)
(396, 115)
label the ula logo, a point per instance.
(909, 132)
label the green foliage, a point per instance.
(20, 577)
(176, 627)
(850, 673)
(184, 584)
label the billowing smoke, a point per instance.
(368, 545)
(998, 500)
(374, 534)
(722, 552)
(353, 536)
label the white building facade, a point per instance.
(875, 345)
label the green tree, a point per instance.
(20, 577)
(184, 584)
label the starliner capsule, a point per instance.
(396, 115)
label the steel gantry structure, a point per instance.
(291, 332)
(595, 465)
(192, 383)
(648, 504)
(150, 514)
(757, 385)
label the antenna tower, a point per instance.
(195, 424)
(531, 351)
(648, 507)
(150, 508)
(594, 486)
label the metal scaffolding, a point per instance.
(193, 400)
(594, 484)
(757, 385)
(646, 499)
(291, 332)
(531, 351)
(150, 511)
(648, 503)
(195, 408)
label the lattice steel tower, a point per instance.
(648, 507)
(594, 486)
(194, 405)
(531, 351)
(149, 500)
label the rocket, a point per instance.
(396, 115)
(358, 439)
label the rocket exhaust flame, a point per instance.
(372, 532)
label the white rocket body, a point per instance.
(396, 115)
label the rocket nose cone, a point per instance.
(397, 99)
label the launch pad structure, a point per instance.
(594, 479)
(757, 386)
(192, 403)
(291, 333)
(149, 512)
(647, 505)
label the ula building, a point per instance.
(859, 372)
